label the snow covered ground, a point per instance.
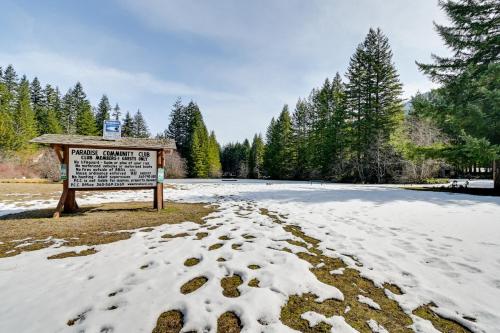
(437, 247)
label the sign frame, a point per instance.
(67, 201)
(96, 188)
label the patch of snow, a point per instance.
(338, 271)
(375, 327)
(337, 322)
(437, 247)
(368, 301)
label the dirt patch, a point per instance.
(230, 285)
(224, 238)
(191, 262)
(82, 253)
(229, 322)
(253, 266)
(237, 246)
(91, 225)
(247, 236)
(221, 259)
(169, 322)
(215, 246)
(183, 234)
(193, 284)
(201, 235)
(440, 323)
(254, 283)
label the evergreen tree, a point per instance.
(374, 101)
(467, 106)
(7, 134)
(473, 37)
(36, 94)
(279, 156)
(214, 164)
(116, 112)
(10, 81)
(103, 113)
(24, 117)
(256, 158)
(197, 160)
(85, 121)
(140, 129)
(301, 125)
(128, 125)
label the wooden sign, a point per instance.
(91, 163)
(105, 168)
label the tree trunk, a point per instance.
(496, 175)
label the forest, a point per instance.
(353, 127)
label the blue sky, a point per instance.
(239, 60)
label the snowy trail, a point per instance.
(436, 246)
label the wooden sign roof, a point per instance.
(99, 142)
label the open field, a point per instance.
(246, 256)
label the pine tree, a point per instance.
(128, 125)
(140, 129)
(374, 102)
(24, 117)
(256, 159)
(473, 38)
(468, 102)
(279, 155)
(116, 112)
(214, 164)
(10, 81)
(85, 121)
(102, 113)
(7, 134)
(197, 160)
(178, 128)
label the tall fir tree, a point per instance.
(197, 160)
(24, 118)
(85, 121)
(256, 158)
(468, 104)
(103, 113)
(140, 128)
(128, 125)
(214, 164)
(116, 112)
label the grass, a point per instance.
(253, 266)
(193, 284)
(69, 254)
(93, 225)
(229, 322)
(254, 283)
(350, 283)
(230, 285)
(201, 235)
(440, 323)
(169, 322)
(215, 246)
(191, 262)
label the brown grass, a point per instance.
(254, 283)
(228, 322)
(230, 285)
(62, 255)
(253, 266)
(169, 322)
(215, 246)
(191, 262)
(201, 235)
(350, 283)
(193, 284)
(92, 225)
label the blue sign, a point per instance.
(111, 130)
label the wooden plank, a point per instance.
(59, 153)
(60, 204)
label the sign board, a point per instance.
(112, 130)
(105, 168)
(161, 175)
(64, 172)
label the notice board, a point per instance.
(111, 168)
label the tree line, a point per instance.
(27, 110)
(359, 129)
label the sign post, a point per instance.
(95, 163)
